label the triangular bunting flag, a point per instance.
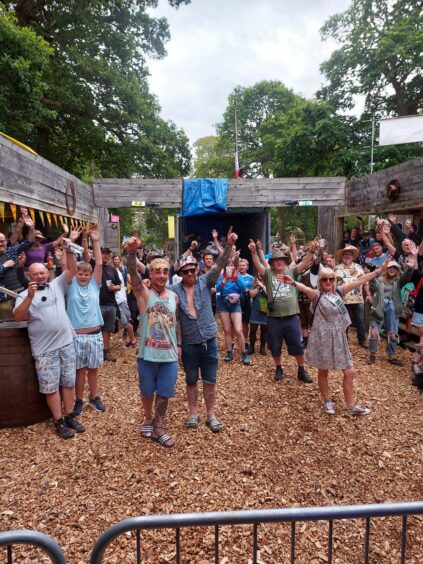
(42, 217)
(13, 208)
(48, 214)
(2, 211)
(32, 214)
(55, 220)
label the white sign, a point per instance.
(138, 204)
(395, 131)
(305, 203)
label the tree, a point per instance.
(104, 114)
(213, 158)
(380, 57)
(24, 68)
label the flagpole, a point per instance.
(236, 144)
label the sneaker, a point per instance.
(97, 404)
(329, 409)
(78, 407)
(245, 359)
(229, 356)
(73, 423)
(263, 350)
(304, 376)
(372, 359)
(278, 373)
(395, 361)
(108, 356)
(363, 345)
(356, 409)
(62, 429)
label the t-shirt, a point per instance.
(49, 328)
(38, 255)
(285, 295)
(109, 273)
(83, 306)
(120, 295)
(375, 261)
(350, 274)
(247, 279)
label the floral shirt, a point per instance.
(346, 274)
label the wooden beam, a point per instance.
(246, 193)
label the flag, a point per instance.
(13, 209)
(42, 217)
(48, 214)
(236, 163)
(55, 220)
(1, 211)
(32, 214)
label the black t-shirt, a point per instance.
(109, 273)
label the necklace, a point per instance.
(159, 292)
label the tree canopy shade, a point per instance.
(99, 115)
(380, 56)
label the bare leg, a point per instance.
(192, 397)
(54, 402)
(67, 395)
(159, 419)
(130, 331)
(300, 360)
(106, 340)
(277, 360)
(322, 380)
(349, 374)
(209, 393)
(147, 404)
(93, 381)
(226, 324)
(237, 323)
(80, 383)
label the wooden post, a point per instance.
(330, 227)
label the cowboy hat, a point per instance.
(347, 249)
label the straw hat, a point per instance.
(347, 249)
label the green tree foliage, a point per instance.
(24, 66)
(104, 115)
(380, 56)
(213, 158)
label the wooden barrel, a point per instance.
(20, 400)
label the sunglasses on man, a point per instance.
(188, 271)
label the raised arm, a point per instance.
(71, 265)
(386, 229)
(139, 289)
(260, 254)
(307, 259)
(216, 243)
(293, 247)
(98, 269)
(84, 245)
(256, 261)
(367, 277)
(223, 259)
(311, 293)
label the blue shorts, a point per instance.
(224, 306)
(89, 350)
(200, 357)
(159, 377)
(288, 329)
(417, 319)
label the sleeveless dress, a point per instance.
(327, 344)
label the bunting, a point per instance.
(32, 214)
(13, 209)
(48, 214)
(2, 211)
(41, 214)
(55, 220)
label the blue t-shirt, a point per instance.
(248, 280)
(83, 304)
(231, 286)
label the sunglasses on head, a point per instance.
(160, 270)
(327, 279)
(188, 271)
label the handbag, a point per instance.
(263, 304)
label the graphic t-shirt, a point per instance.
(284, 295)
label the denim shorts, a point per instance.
(56, 368)
(159, 377)
(124, 314)
(224, 306)
(390, 319)
(200, 357)
(288, 329)
(109, 318)
(417, 320)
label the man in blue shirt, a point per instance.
(199, 330)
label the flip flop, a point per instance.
(146, 430)
(192, 422)
(163, 439)
(214, 424)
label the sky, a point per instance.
(217, 45)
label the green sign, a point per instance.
(305, 203)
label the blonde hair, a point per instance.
(325, 272)
(161, 261)
(84, 267)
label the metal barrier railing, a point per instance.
(255, 518)
(9, 538)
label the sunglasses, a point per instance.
(327, 279)
(188, 271)
(159, 270)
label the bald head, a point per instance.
(37, 272)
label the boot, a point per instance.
(263, 350)
(108, 356)
(392, 352)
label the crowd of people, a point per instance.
(302, 296)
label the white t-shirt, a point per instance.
(49, 327)
(120, 296)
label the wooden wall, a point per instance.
(242, 193)
(32, 181)
(367, 195)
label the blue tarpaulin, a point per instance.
(204, 195)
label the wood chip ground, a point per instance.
(278, 449)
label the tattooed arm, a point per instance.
(178, 327)
(140, 290)
(223, 259)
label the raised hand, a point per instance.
(95, 233)
(392, 217)
(21, 260)
(215, 234)
(252, 247)
(315, 246)
(258, 244)
(411, 261)
(292, 239)
(231, 236)
(75, 234)
(133, 244)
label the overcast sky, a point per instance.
(219, 44)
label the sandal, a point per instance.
(214, 424)
(146, 430)
(163, 439)
(395, 361)
(192, 422)
(131, 344)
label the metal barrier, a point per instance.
(34, 538)
(255, 518)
